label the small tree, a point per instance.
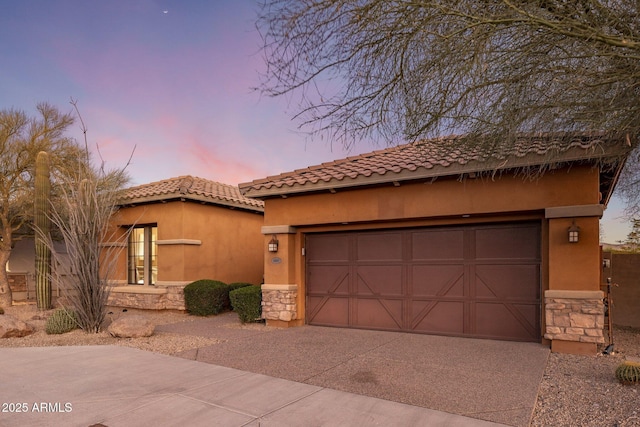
(633, 238)
(21, 138)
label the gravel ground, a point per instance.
(583, 390)
(575, 390)
(159, 342)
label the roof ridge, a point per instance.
(183, 178)
(160, 181)
(190, 187)
(185, 184)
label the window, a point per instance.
(142, 259)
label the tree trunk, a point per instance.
(6, 298)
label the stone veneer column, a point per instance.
(282, 301)
(574, 309)
(574, 316)
(279, 302)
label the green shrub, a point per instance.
(206, 297)
(247, 302)
(628, 373)
(61, 321)
(237, 285)
(234, 286)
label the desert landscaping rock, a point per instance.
(10, 327)
(131, 326)
(160, 342)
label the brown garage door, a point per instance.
(474, 281)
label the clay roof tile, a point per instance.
(438, 157)
(194, 188)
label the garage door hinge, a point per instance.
(303, 253)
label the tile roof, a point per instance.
(447, 156)
(190, 188)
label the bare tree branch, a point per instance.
(390, 72)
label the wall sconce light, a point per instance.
(574, 233)
(273, 244)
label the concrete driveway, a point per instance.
(484, 379)
(260, 376)
(117, 386)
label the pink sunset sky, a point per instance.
(172, 78)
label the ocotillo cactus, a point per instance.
(42, 222)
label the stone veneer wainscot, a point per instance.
(160, 297)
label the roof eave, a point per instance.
(616, 177)
(170, 197)
(512, 162)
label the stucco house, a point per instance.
(182, 229)
(445, 236)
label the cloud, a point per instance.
(176, 87)
(208, 162)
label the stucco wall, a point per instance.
(199, 241)
(574, 266)
(442, 198)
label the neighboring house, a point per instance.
(445, 237)
(21, 269)
(183, 229)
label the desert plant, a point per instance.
(61, 321)
(1, 310)
(205, 297)
(628, 372)
(88, 198)
(42, 221)
(247, 302)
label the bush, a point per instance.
(247, 302)
(1, 310)
(238, 285)
(234, 286)
(61, 321)
(206, 297)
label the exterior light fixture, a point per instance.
(273, 244)
(574, 233)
